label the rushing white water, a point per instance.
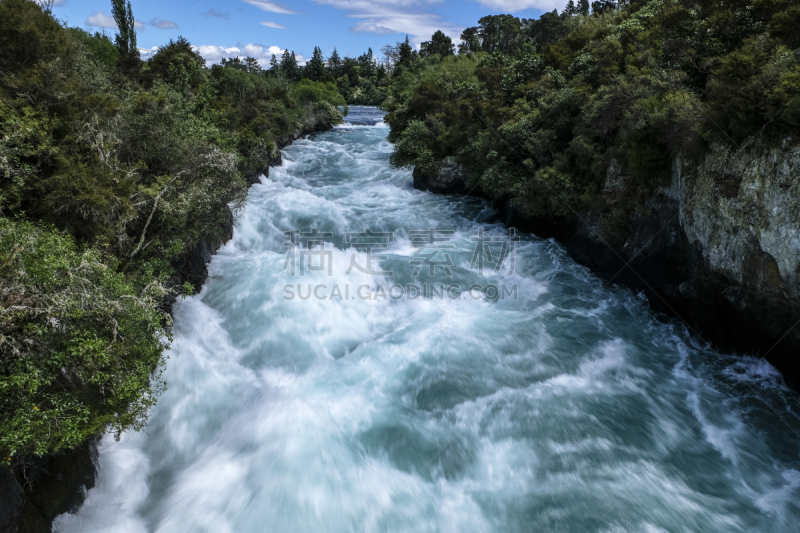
(568, 409)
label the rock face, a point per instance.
(449, 180)
(719, 248)
(47, 487)
(740, 211)
(55, 484)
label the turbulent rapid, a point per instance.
(524, 398)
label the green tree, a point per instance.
(603, 6)
(335, 64)
(100, 47)
(178, 64)
(289, 66)
(315, 68)
(405, 56)
(367, 63)
(548, 29)
(470, 41)
(126, 26)
(251, 65)
(500, 33)
(570, 9)
(440, 44)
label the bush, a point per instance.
(308, 92)
(80, 342)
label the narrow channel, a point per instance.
(509, 391)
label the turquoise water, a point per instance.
(561, 406)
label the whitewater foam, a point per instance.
(570, 408)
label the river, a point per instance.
(339, 387)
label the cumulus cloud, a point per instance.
(511, 6)
(213, 54)
(273, 25)
(147, 53)
(101, 20)
(218, 14)
(163, 24)
(275, 7)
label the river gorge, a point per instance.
(426, 369)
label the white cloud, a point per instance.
(511, 6)
(372, 26)
(101, 20)
(213, 54)
(147, 53)
(396, 16)
(163, 24)
(273, 25)
(275, 7)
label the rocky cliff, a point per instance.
(719, 248)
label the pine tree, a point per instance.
(251, 65)
(335, 64)
(274, 66)
(294, 68)
(570, 9)
(315, 69)
(405, 56)
(367, 63)
(287, 64)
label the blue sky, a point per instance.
(258, 28)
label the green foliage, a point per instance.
(309, 92)
(362, 80)
(126, 38)
(440, 44)
(178, 64)
(111, 170)
(545, 110)
(81, 344)
(315, 69)
(99, 46)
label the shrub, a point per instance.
(80, 342)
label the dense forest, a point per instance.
(111, 169)
(589, 108)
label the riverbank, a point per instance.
(719, 249)
(55, 484)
